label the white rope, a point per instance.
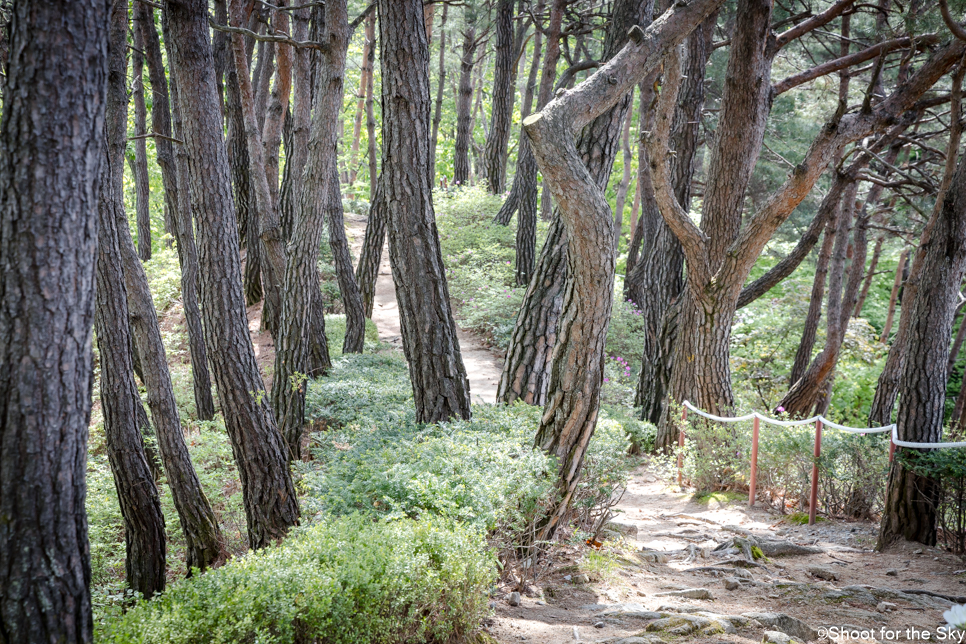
(826, 422)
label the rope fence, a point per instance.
(820, 422)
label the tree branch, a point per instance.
(814, 22)
(852, 59)
(954, 26)
(301, 44)
(693, 240)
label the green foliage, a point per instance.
(347, 580)
(948, 467)
(164, 276)
(335, 333)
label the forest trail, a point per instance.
(667, 548)
(483, 367)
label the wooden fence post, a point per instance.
(684, 418)
(754, 462)
(813, 497)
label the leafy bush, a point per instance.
(335, 333)
(348, 580)
(164, 276)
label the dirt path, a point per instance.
(623, 602)
(482, 367)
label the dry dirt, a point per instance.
(668, 520)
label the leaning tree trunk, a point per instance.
(370, 112)
(296, 145)
(271, 246)
(573, 399)
(301, 277)
(526, 369)
(502, 97)
(440, 387)
(867, 284)
(144, 535)
(275, 112)
(911, 497)
(371, 255)
(803, 356)
(166, 121)
(52, 141)
(355, 317)
(271, 506)
(464, 104)
(141, 181)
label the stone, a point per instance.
(741, 573)
(514, 599)
(632, 611)
(730, 583)
(690, 593)
(599, 625)
(892, 572)
(776, 637)
(678, 625)
(885, 607)
(581, 579)
(625, 528)
(786, 624)
(652, 556)
(822, 573)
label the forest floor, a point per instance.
(483, 365)
(620, 593)
(644, 585)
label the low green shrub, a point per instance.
(335, 333)
(948, 466)
(348, 580)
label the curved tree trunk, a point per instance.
(277, 106)
(144, 535)
(271, 506)
(440, 387)
(502, 98)
(52, 141)
(867, 284)
(573, 399)
(526, 369)
(296, 147)
(804, 354)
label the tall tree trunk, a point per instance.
(511, 203)
(361, 106)
(271, 248)
(867, 284)
(626, 177)
(803, 356)
(657, 278)
(464, 104)
(370, 112)
(887, 387)
(438, 109)
(141, 182)
(911, 498)
(573, 399)
(440, 386)
(894, 296)
(371, 255)
(320, 184)
(502, 97)
(296, 147)
(355, 318)
(843, 289)
(241, 179)
(52, 142)
(277, 106)
(144, 535)
(174, 177)
(271, 506)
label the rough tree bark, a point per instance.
(271, 247)
(526, 369)
(355, 318)
(144, 535)
(52, 141)
(174, 179)
(141, 183)
(319, 183)
(464, 104)
(440, 386)
(625, 181)
(573, 399)
(803, 356)
(438, 110)
(361, 104)
(277, 106)
(867, 284)
(502, 97)
(271, 506)
(371, 254)
(911, 498)
(887, 387)
(370, 112)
